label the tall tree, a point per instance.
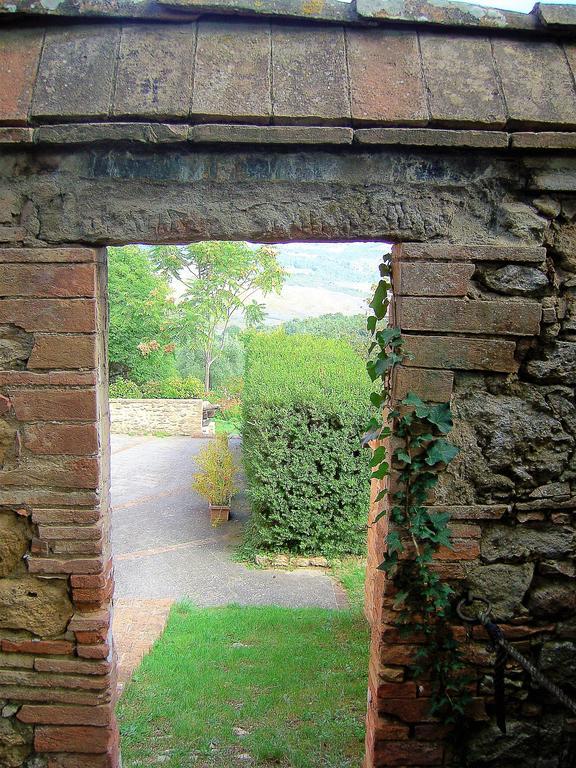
(220, 280)
(142, 317)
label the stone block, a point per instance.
(431, 385)
(450, 14)
(67, 316)
(537, 83)
(42, 255)
(14, 537)
(73, 532)
(46, 379)
(74, 472)
(461, 81)
(38, 647)
(232, 72)
(432, 137)
(543, 140)
(65, 715)
(46, 566)
(63, 351)
(71, 516)
(19, 54)
(90, 622)
(386, 84)
(511, 544)
(268, 134)
(504, 585)
(93, 651)
(76, 72)
(48, 280)
(16, 135)
(460, 353)
(39, 606)
(54, 405)
(309, 75)
(328, 10)
(431, 278)
(506, 318)
(61, 439)
(450, 252)
(106, 133)
(73, 666)
(155, 70)
(472, 511)
(515, 280)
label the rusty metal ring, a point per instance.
(480, 615)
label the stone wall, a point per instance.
(57, 664)
(492, 330)
(145, 417)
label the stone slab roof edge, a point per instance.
(544, 17)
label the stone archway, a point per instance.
(484, 283)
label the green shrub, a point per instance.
(174, 388)
(124, 388)
(215, 478)
(305, 407)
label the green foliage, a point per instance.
(142, 317)
(304, 407)
(215, 478)
(423, 599)
(226, 369)
(221, 279)
(124, 388)
(174, 388)
(350, 328)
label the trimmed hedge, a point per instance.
(305, 407)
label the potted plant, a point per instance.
(215, 478)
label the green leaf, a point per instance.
(371, 323)
(381, 472)
(402, 456)
(441, 452)
(379, 300)
(393, 543)
(377, 399)
(378, 456)
(440, 416)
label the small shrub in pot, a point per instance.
(215, 479)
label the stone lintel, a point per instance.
(97, 133)
(271, 134)
(451, 252)
(432, 137)
(16, 135)
(543, 140)
(551, 15)
(327, 10)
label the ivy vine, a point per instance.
(417, 431)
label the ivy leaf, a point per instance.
(381, 472)
(402, 456)
(386, 335)
(379, 301)
(440, 416)
(377, 399)
(371, 323)
(393, 543)
(441, 452)
(378, 456)
(381, 495)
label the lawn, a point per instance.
(262, 686)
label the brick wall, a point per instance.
(482, 323)
(57, 664)
(144, 417)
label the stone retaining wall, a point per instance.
(144, 417)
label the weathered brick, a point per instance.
(16, 136)
(386, 84)
(33, 496)
(48, 280)
(457, 352)
(433, 278)
(54, 695)
(215, 133)
(92, 582)
(38, 647)
(60, 439)
(78, 548)
(54, 405)
(432, 137)
(62, 351)
(63, 715)
(16, 661)
(461, 80)
(408, 710)
(309, 75)
(155, 70)
(232, 72)
(401, 654)
(407, 753)
(507, 318)
(49, 566)
(389, 730)
(90, 622)
(72, 666)
(76, 315)
(449, 252)
(93, 651)
(41, 680)
(543, 140)
(96, 637)
(80, 516)
(108, 760)
(82, 739)
(50, 255)
(19, 54)
(47, 379)
(536, 81)
(432, 385)
(77, 472)
(87, 532)
(397, 690)
(76, 73)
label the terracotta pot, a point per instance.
(219, 513)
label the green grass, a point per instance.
(286, 687)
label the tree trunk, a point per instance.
(207, 365)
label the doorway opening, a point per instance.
(240, 495)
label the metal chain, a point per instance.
(497, 637)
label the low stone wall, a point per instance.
(142, 417)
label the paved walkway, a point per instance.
(165, 548)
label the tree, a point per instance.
(142, 317)
(220, 279)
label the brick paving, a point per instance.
(136, 626)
